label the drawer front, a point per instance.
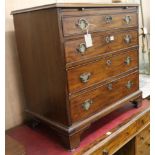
(92, 101)
(113, 145)
(106, 42)
(144, 120)
(78, 25)
(142, 146)
(84, 76)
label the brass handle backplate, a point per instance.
(127, 39)
(82, 48)
(128, 61)
(85, 77)
(86, 105)
(129, 84)
(82, 24)
(127, 19)
(108, 19)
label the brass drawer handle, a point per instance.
(82, 48)
(85, 77)
(86, 105)
(129, 84)
(127, 39)
(109, 39)
(108, 62)
(110, 86)
(127, 19)
(105, 152)
(128, 61)
(108, 19)
(82, 24)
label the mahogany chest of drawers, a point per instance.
(68, 81)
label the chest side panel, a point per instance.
(42, 63)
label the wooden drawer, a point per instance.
(96, 72)
(110, 147)
(94, 100)
(114, 144)
(142, 142)
(73, 25)
(144, 120)
(76, 50)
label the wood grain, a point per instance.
(100, 70)
(114, 144)
(102, 97)
(143, 121)
(128, 149)
(100, 46)
(42, 64)
(97, 23)
(119, 138)
(142, 142)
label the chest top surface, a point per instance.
(72, 5)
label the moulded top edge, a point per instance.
(71, 5)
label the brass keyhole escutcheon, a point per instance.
(108, 62)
